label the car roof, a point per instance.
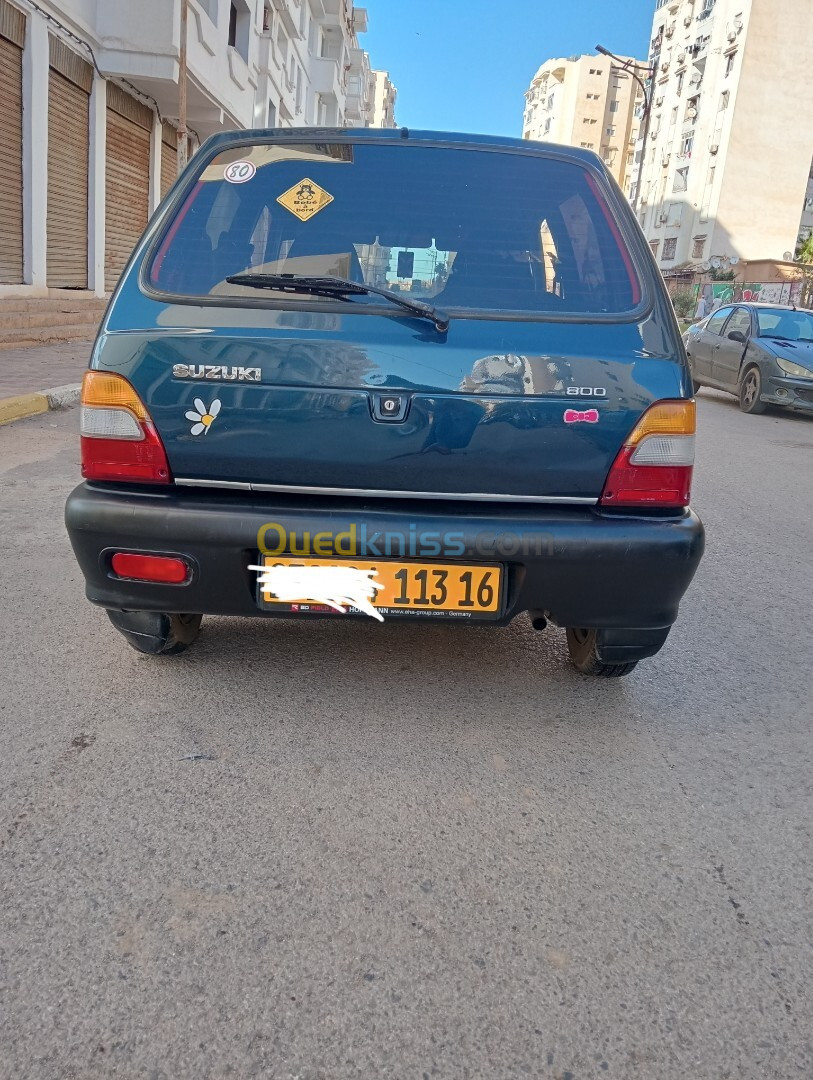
(763, 304)
(223, 140)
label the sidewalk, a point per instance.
(26, 373)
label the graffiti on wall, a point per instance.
(717, 293)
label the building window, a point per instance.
(587, 145)
(547, 126)
(654, 244)
(614, 106)
(669, 248)
(686, 144)
(268, 17)
(724, 99)
(239, 27)
(729, 63)
(680, 78)
(698, 247)
(681, 179)
(611, 131)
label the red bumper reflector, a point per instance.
(160, 568)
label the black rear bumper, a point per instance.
(581, 567)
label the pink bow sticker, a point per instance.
(573, 416)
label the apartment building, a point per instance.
(88, 137)
(384, 95)
(728, 159)
(586, 101)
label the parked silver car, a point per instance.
(761, 353)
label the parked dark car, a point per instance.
(760, 352)
(390, 373)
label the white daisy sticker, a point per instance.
(203, 419)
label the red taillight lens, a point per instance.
(654, 466)
(160, 568)
(119, 440)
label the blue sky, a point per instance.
(463, 65)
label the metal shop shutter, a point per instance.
(12, 38)
(127, 196)
(169, 157)
(69, 83)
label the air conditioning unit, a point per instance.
(732, 35)
(663, 218)
(687, 21)
(669, 31)
(665, 159)
(714, 147)
(696, 78)
(665, 65)
(681, 57)
(659, 100)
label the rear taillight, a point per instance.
(119, 440)
(654, 466)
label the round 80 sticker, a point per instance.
(239, 171)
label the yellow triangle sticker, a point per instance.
(305, 199)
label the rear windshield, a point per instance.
(469, 229)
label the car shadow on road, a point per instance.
(428, 676)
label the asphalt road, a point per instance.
(337, 850)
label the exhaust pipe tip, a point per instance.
(538, 620)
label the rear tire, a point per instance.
(157, 633)
(581, 644)
(749, 392)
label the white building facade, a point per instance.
(728, 159)
(586, 101)
(384, 96)
(88, 129)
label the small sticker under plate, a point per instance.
(305, 199)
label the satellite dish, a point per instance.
(705, 266)
(734, 260)
(716, 263)
(788, 256)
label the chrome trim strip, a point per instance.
(366, 493)
(215, 484)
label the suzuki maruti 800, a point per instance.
(390, 374)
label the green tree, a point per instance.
(805, 250)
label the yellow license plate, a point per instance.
(415, 588)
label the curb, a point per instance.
(25, 405)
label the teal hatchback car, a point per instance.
(390, 374)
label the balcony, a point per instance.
(326, 77)
(287, 17)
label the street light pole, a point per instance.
(183, 139)
(651, 72)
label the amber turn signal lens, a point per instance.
(107, 389)
(665, 418)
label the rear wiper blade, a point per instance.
(338, 287)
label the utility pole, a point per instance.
(183, 139)
(650, 73)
